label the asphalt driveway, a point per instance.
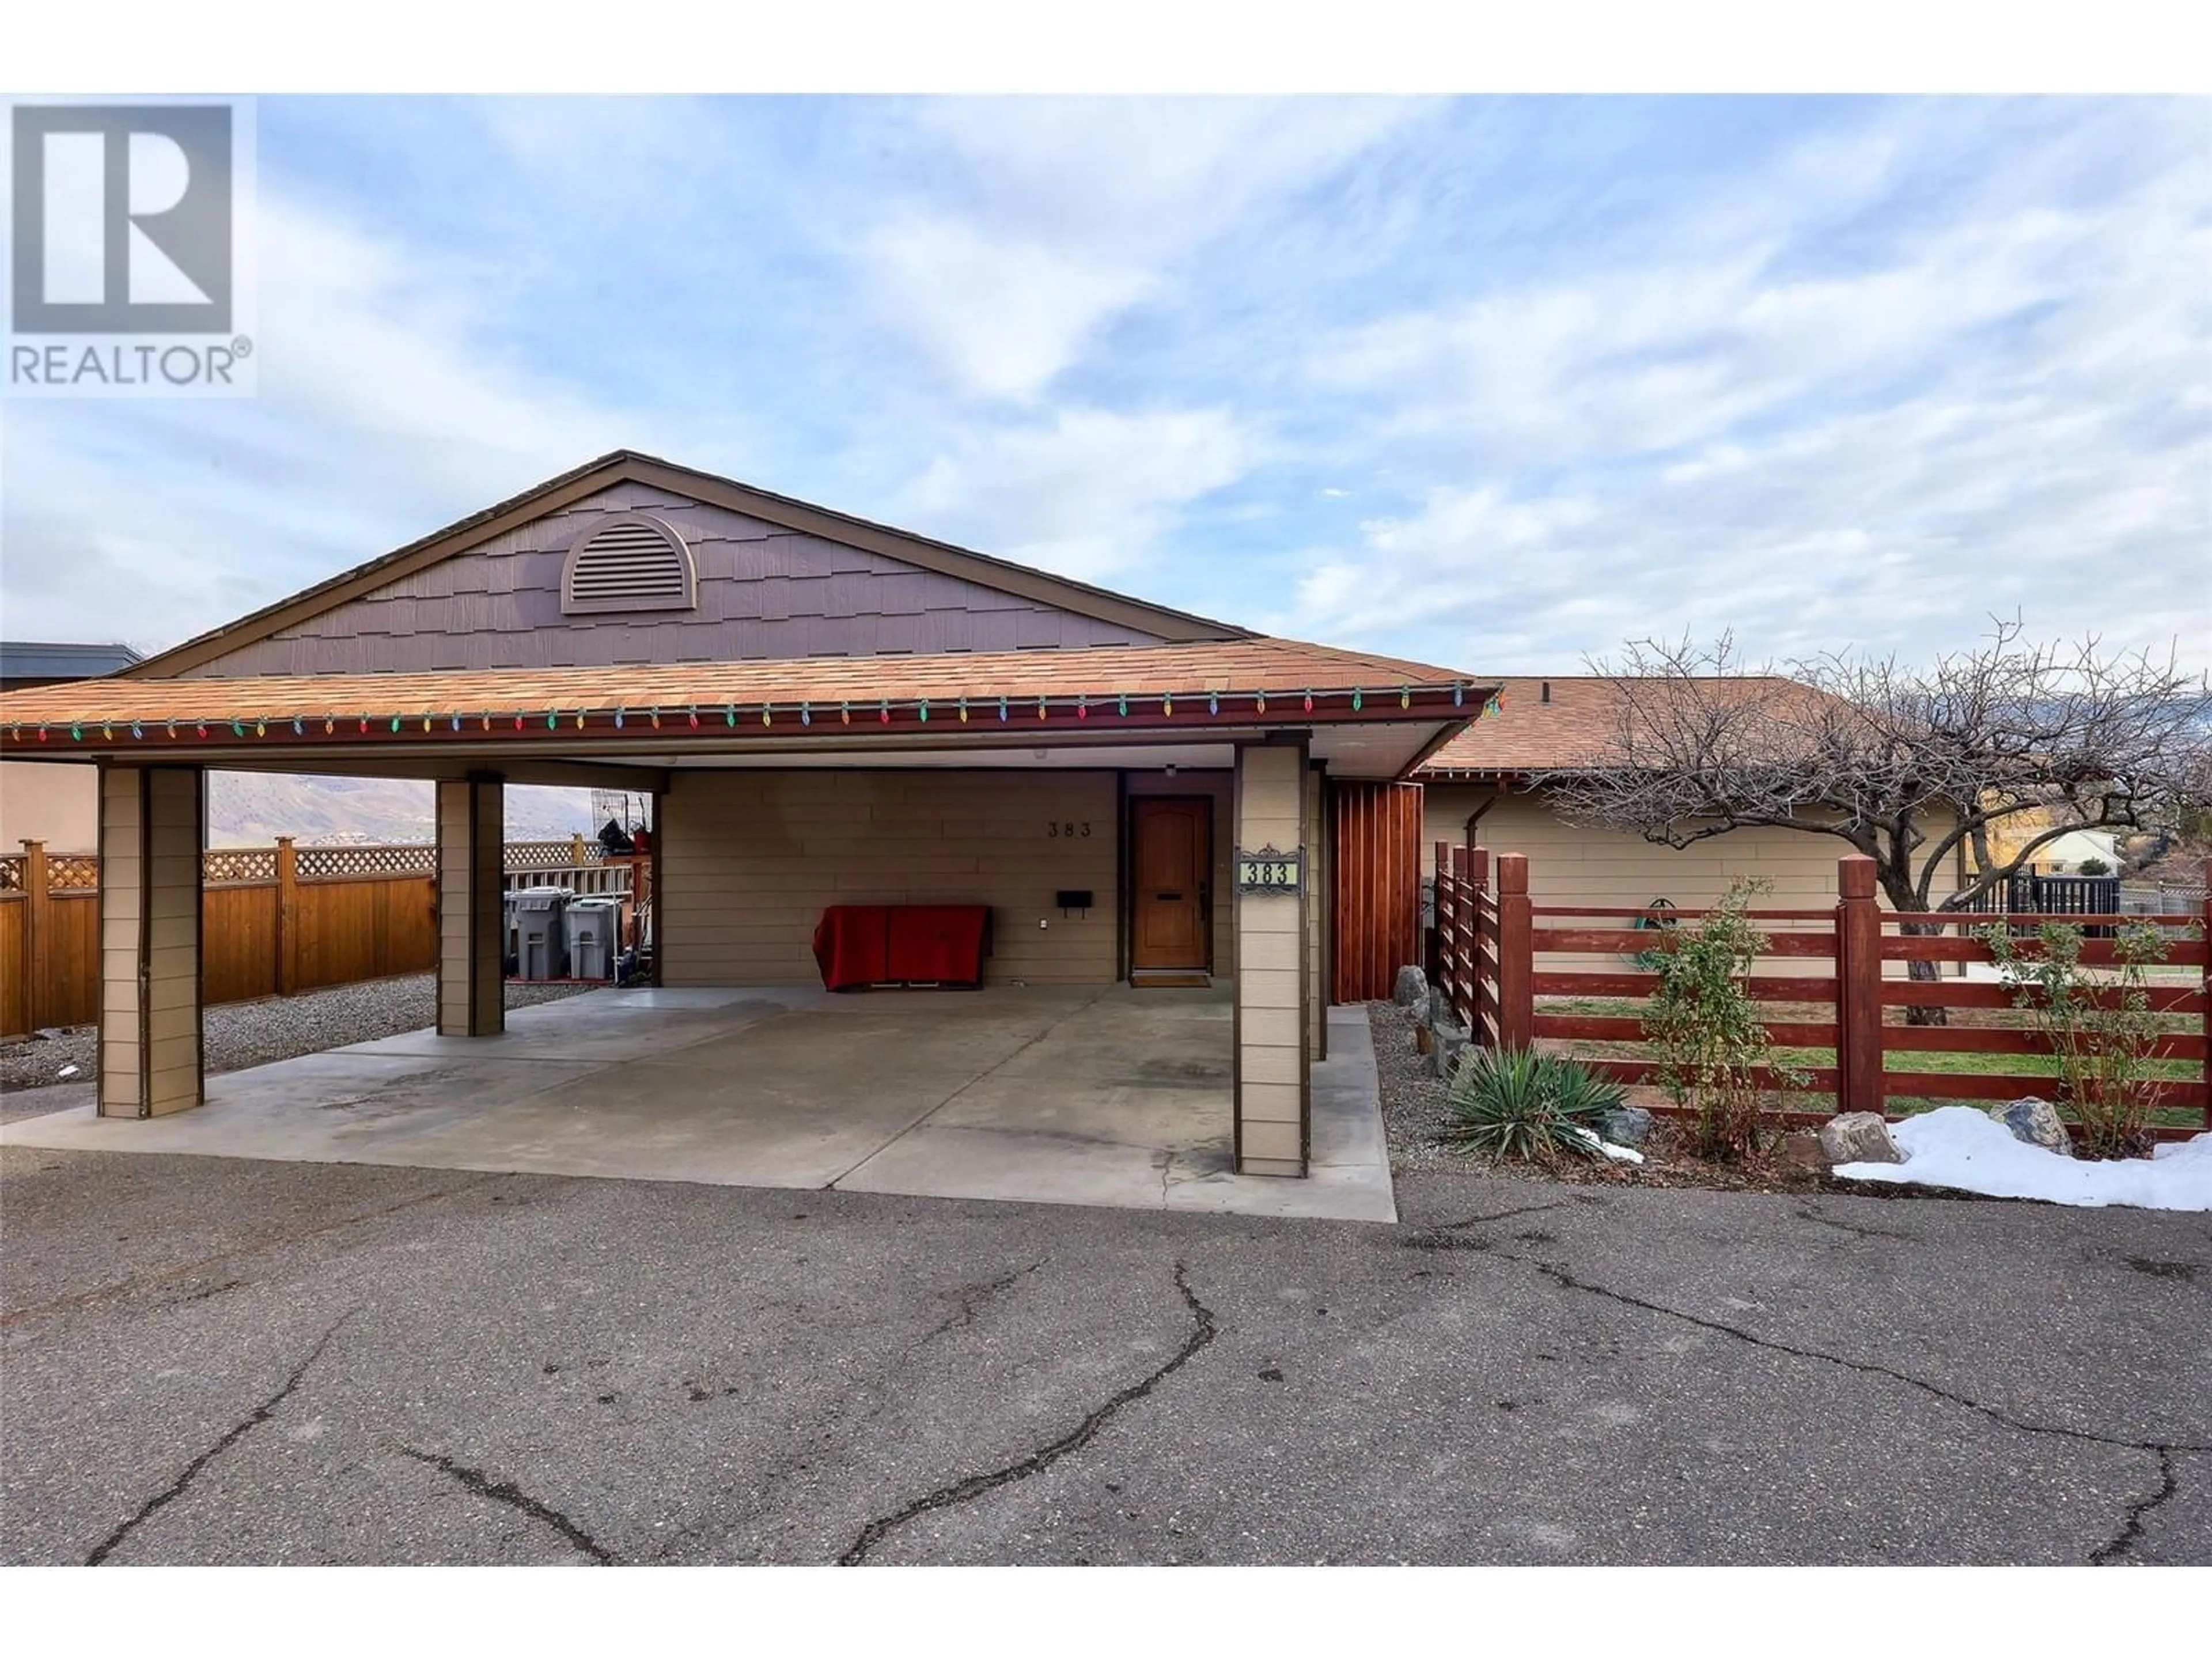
(219, 1360)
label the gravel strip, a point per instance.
(242, 1034)
(1413, 1114)
(1412, 1101)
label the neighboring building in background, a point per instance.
(57, 805)
(1478, 791)
(2061, 857)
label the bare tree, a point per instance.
(1907, 765)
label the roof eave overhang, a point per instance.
(1200, 714)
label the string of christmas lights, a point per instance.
(623, 718)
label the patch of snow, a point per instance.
(1959, 1147)
(1597, 1144)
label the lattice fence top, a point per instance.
(72, 872)
(550, 854)
(325, 862)
(250, 866)
(221, 865)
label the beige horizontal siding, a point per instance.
(1569, 864)
(749, 859)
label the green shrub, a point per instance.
(2093, 865)
(1704, 1027)
(2106, 1069)
(1516, 1103)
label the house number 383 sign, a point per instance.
(1270, 871)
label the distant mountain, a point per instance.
(252, 809)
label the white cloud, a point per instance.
(381, 415)
(2006, 411)
(1088, 493)
(1002, 316)
(1066, 212)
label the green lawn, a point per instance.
(1901, 1060)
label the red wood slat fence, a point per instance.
(1489, 937)
(1378, 860)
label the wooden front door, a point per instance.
(1171, 863)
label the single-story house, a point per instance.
(1484, 788)
(50, 803)
(829, 713)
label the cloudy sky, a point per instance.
(1495, 383)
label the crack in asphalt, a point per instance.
(1807, 1213)
(2131, 1532)
(238, 1430)
(2163, 1450)
(122, 1287)
(1503, 1215)
(1559, 1275)
(971, 1297)
(966, 1490)
(503, 1491)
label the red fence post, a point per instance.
(1858, 987)
(2204, 985)
(1457, 948)
(1440, 931)
(1517, 956)
(1474, 871)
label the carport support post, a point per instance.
(471, 927)
(1273, 948)
(151, 841)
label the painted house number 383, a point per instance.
(1072, 828)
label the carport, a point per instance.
(1138, 799)
(1055, 1095)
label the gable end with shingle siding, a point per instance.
(763, 592)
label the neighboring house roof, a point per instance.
(459, 701)
(1547, 725)
(627, 466)
(40, 662)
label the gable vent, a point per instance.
(634, 563)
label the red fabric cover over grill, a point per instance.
(857, 945)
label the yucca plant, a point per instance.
(1517, 1103)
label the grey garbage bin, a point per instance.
(542, 938)
(594, 929)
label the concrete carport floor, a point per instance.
(1059, 1094)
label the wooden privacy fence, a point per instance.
(274, 919)
(1517, 974)
(1378, 860)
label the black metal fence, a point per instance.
(2055, 896)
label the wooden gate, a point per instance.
(1377, 850)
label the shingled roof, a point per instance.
(1241, 681)
(1553, 724)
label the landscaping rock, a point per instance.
(1448, 1041)
(1800, 1150)
(2036, 1122)
(1859, 1138)
(1628, 1126)
(1412, 988)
